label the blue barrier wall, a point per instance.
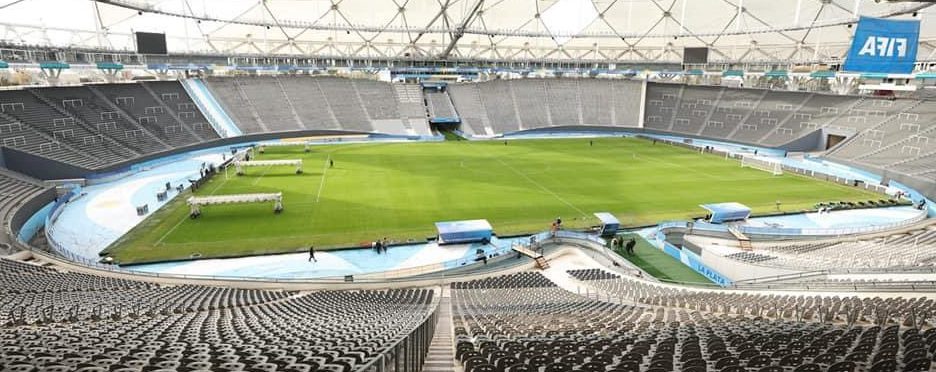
(34, 223)
(687, 258)
(695, 262)
(916, 197)
(672, 251)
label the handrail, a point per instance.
(847, 270)
(785, 244)
(762, 230)
(855, 286)
(774, 278)
(833, 231)
(424, 330)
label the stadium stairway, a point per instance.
(210, 107)
(441, 356)
(743, 240)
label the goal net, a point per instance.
(768, 166)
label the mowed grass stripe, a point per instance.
(400, 190)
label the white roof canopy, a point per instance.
(600, 30)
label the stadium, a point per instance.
(467, 185)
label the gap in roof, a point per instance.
(568, 17)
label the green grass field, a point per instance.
(660, 265)
(400, 190)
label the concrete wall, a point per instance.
(814, 141)
(735, 270)
(225, 142)
(714, 139)
(581, 128)
(40, 167)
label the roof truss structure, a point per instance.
(736, 31)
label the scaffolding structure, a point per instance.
(196, 202)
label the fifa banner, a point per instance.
(883, 45)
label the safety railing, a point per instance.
(868, 240)
(672, 225)
(431, 271)
(920, 216)
(777, 278)
(856, 286)
(591, 242)
(814, 265)
(782, 231)
(407, 354)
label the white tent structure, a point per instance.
(496, 30)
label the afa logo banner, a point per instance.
(883, 45)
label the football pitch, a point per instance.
(398, 190)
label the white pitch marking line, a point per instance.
(322, 184)
(541, 187)
(161, 238)
(265, 171)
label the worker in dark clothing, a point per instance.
(312, 253)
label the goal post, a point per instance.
(774, 168)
